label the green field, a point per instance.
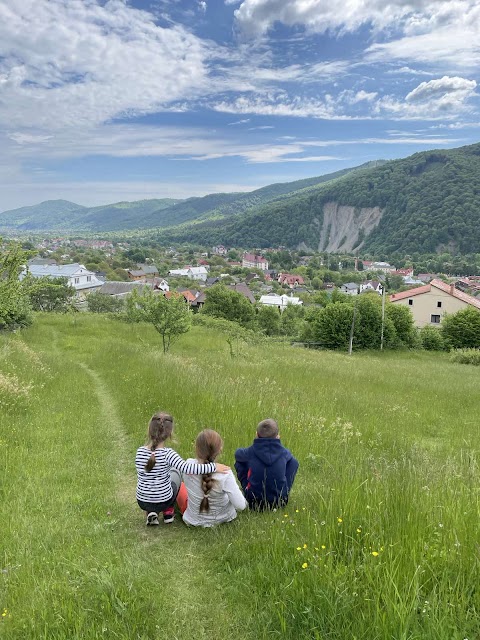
(380, 539)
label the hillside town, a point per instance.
(274, 277)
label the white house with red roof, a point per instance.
(254, 261)
(430, 303)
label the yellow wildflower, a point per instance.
(304, 565)
(304, 546)
(299, 548)
(297, 511)
(359, 530)
(339, 520)
(323, 546)
(375, 553)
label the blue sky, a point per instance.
(102, 101)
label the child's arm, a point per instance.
(234, 494)
(291, 470)
(190, 468)
(241, 466)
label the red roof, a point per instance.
(438, 284)
(250, 257)
(408, 294)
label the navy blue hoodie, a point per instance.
(266, 471)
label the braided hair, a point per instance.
(208, 445)
(160, 428)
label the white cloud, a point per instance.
(458, 89)
(445, 97)
(256, 17)
(79, 63)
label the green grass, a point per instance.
(388, 447)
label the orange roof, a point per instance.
(438, 284)
(408, 294)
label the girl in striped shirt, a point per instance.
(158, 469)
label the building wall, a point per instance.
(424, 305)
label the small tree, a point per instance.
(171, 318)
(15, 307)
(103, 303)
(230, 305)
(49, 294)
(461, 330)
(268, 319)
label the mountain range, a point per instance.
(428, 202)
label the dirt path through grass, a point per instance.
(182, 595)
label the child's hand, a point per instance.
(222, 468)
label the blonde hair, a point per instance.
(207, 446)
(160, 428)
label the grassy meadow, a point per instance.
(380, 539)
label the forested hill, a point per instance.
(63, 216)
(67, 217)
(427, 202)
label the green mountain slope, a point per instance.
(54, 215)
(123, 215)
(427, 202)
(46, 215)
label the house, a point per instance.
(411, 280)
(289, 280)
(349, 288)
(188, 296)
(384, 267)
(220, 250)
(243, 289)
(145, 271)
(281, 302)
(427, 277)
(405, 273)
(41, 261)
(431, 302)
(372, 285)
(161, 284)
(122, 289)
(254, 261)
(78, 276)
(194, 273)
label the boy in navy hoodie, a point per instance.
(266, 470)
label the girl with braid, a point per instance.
(213, 498)
(159, 468)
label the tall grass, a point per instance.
(380, 539)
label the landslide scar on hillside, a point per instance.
(344, 227)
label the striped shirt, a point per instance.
(154, 485)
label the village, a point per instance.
(274, 277)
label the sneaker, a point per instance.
(169, 515)
(152, 519)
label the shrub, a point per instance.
(461, 330)
(432, 339)
(466, 356)
(102, 303)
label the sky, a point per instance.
(104, 101)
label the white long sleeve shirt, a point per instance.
(225, 499)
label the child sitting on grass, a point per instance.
(159, 483)
(212, 498)
(266, 470)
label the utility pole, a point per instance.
(383, 315)
(350, 347)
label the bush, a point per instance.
(432, 339)
(466, 356)
(461, 330)
(102, 303)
